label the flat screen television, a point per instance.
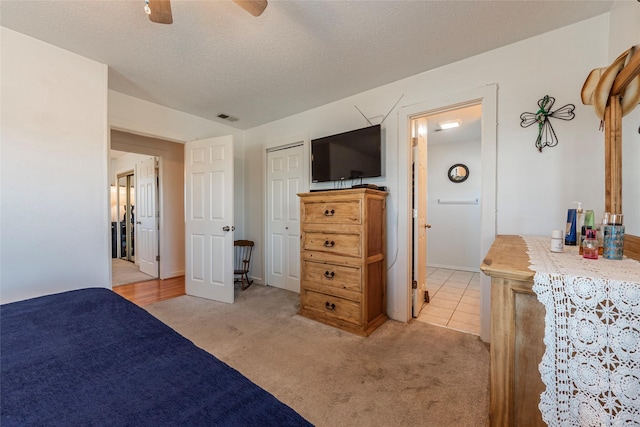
(350, 155)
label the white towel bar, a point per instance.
(457, 202)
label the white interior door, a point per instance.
(147, 217)
(209, 218)
(284, 182)
(420, 216)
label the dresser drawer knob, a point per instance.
(329, 305)
(329, 274)
(329, 244)
(329, 212)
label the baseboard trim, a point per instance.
(455, 267)
(173, 274)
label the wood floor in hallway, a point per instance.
(151, 291)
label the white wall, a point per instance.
(534, 189)
(54, 202)
(454, 237)
(123, 164)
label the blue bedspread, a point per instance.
(90, 357)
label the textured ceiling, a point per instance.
(216, 58)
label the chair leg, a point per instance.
(245, 277)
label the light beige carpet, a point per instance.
(124, 272)
(413, 374)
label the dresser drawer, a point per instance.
(338, 212)
(333, 276)
(339, 244)
(330, 306)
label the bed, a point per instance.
(90, 357)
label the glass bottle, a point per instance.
(614, 238)
(590, 245)
(600, 234)
(583, 236)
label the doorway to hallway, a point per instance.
(486, 96)
(134, 218)
(127, 151)
(446, 190)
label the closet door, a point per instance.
(284, 182)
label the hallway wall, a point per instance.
(453, 241)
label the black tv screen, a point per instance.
(349, 155)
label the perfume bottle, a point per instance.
(590, 245)
(600, 234)
(583, 236)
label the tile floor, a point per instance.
(454, 300)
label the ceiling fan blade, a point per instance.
(160, 11)
(254, 7)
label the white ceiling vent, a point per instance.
(227, 117)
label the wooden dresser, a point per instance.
(343, 266)
(517, 332)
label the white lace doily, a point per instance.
(591, 364)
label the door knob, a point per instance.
(427, 226)
(138, 222)
(226, 228)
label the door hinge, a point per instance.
(157, 257)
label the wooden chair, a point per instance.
(242, 261)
